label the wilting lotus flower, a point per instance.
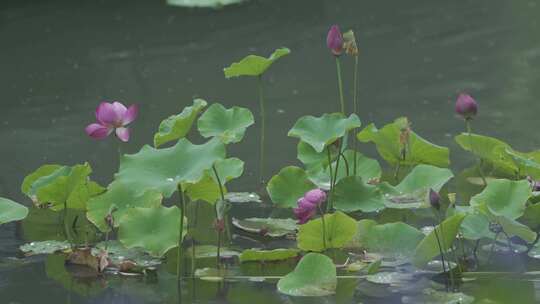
(466, 106)
(334, 40)
(434, 199)
(112, 117)
(308, 204)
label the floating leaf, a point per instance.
(432, 296)
(119, 198)
(340, 229)
(155, 229)
(45, 247)
(392, 278)
(164, 169)
(353, 194)
(419, 150)
(290, 184)
(322, 131)
(243, 197)
(203, 3)
(229, 125)
(393, 240)
(428, 248)
(272, 227)
(118, 254)
(504, 197)
(210, 251)
(315, 275)
(178, 126)
(253, 65)
(258, 255)
(11, 211)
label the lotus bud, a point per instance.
(466, 106)
(334, 40)
(315, 196)
(434, 199)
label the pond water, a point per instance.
(60, 58)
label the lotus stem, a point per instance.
(469, 133)
(336, 171)
(263, 131)
(355, 108)
(440, 250)
(492, 247)
(331, 178)
(323, 227)
(340, 85)
(218, 258)
(451, 274)
(182, 206)
(346, 162)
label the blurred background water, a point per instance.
(60, 58)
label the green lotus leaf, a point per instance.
(504, 197)
(366, 168)
(353, 194)
(393, 240)
(413, 190)
(428, 247)
(340, 229)
(531, 216)
(290, 184)
(229, 125)
(178, 126)
(313, 159)
(119, 198)
(210, 251)
(475, 226)
(46, 173)
(322, 131)
(259, 255)
(253, 65)
(514, 228)
(419, 150)
(272, 227)
(163, 169)
(243, 197)
(44, 247)
(528, 164)
(118, 253)
(155, 229)
(489, 149)
(11, 211)
(315, 275)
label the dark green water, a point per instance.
(58, 59)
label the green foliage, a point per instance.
(44, 247)
(44, 173)
(253, 65)
(178, 126)
(11, 211)
(272, 227)
(229, 125)
(504, 197)
(419, 150)
(352, 194)
(210, 251)
(290, 184)
(322, 131)
(155, 229)
(428, 248)
(315, 275)
(393, 240)
(164, 169)
(487, 148)
(340, 229)
(118, 199)
(250, 255)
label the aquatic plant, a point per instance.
(334, 42)
(112, 117)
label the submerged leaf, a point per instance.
(178, 126)
(253, 65)
(315, 275)
(290, 184)
(155, 229)
(229, 125)
(11, 211)
(320, 132)
(418, 150)
(340, 229)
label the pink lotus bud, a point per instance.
(466, 106)
(334, 40)
(434, 199)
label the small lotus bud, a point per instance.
(334, 40)
(434, 199)
(315, 196)
(466, 106)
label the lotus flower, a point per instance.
(112, 117)
(334, 40)
(466, 106)
(308, 204)
(434, 199)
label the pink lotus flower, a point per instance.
(334, 40)
(112, 117)
(308, 204)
